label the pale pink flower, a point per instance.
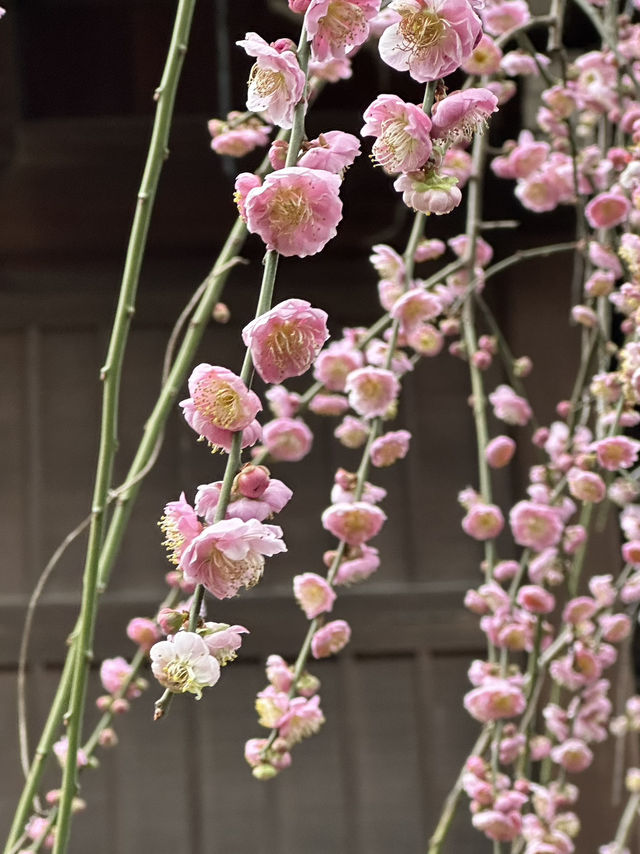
(223, 641)
(61, 749)
(114, 673)
(230, 554)
(282, 402)
(573, 754)
(631, 553)
(538, 192)
(461, 114)
(586, 485)
(295, 211)
(485, 58)
(431, 38)
(333, 151)
(355, 522)
(503, 16)
(616, 452)
(483, 521)
(387, 263)
(457, 164)
(414, 308)
(285, 340)
(394, 445)
(144, 632)
(429, 249)
(426, 340)
(537, 526)
(518, 62)
(279, 674)
(607, 210)
(602, 256)
(302, 719)
(330, 639)
(183, 664)
(371, 390)
(535, 599)
(429, 193)
(245, 182)
(505, 570)
(614, 627)
(402, 131)
(221, 398)
(313, 593)
(360, 563)
(334, 364)
(499, 451)
(497, 825)
(287, 439)
(276, 81)
(271, 704)
(509, 407)
(240, 139)
(329, 404)
(460, 245)
(179, 524)
(272, 499)
(351, 432)
(277, 756)
(494, 700)
(332, 70)
(335, 27)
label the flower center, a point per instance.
(394, 144)
(265, 82)
(174, 539)
(237, 573)
(289, 211)
(421, 31)
(179, 676)
(287, 343)
(344, 23)
(219, 402)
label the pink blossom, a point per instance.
(276, 81)
(240, 139)
(334, 364)
(335, 27)
(537, 526)
(505, 16)
(295, 211)
(352, 433)
(536, 599)
(573, 754)
(505, 570)
(61, 749)
(287, 439)
(394, 445)
(285, 340)
(616, 452)
(495, 699)
(429, 193)
(230, 554)
(483, 521)
(344, 489)
(354, 522)
(144, 632)
(313, 593)
(371, 390)
(114, 673)
(426, 340)
(360, 563)
(179, 524)
(461, 114)
(329, 404)
(457, 164)
(607, 210)
(519, 62)
(500, 826)
(277, 757)
(299, 6)
(538, 192)
(221, 398)
(330, 639)
(414, 308)
(509, 407)
(485, 58)
(387, 263)
(429, 249)
(586, 485)
(601, 256)
(218, 438)
(332, 70)
(334, 151)
(223, 641)
(302, 719)
(430, 38)
(631, 553)
(499, 451)
(183, 664)
(460, 245)
(283, 403)
(402, 131)
(614, 627)
(272, 499)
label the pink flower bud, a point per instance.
(499, 452)
(252, 481)
(144, 632)
(330, 639)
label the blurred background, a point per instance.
(76, 85)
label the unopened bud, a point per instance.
(120, 706)
(264, 772)
(252, 481)
(523, 366)
(170, 620)
(108, 737)
(308, 685)
(221, 313)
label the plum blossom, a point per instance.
(499, 451)
(260, 504)
(392, 446)
(334, 151)
(461, 114)
(230, 554)
(371, 390)
(287, 439)
(402, 131)
(179, 524)
(276, 81)
(360, 563)
(429, 192)
(355, 522)
(223, 641)
(295, 210)
(285, 340)
(509, 407)
(330, 639)
(313, 593)
(535, 525)
(240, 139)
(335, 27)
(221, 398)
(183, 664)
(495, 699)
(430, 38)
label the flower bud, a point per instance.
(221, 313)
(252, 481)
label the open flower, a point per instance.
(295, 210)
(230, 554)
(372, 390)
(330, 639)
(431, 38)
(313, 593)
(402, 131)
(461, 114)
(221, 398)
(276, 82)
(183, 664)
(285, 340)
(335, 27)
(354, 522)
